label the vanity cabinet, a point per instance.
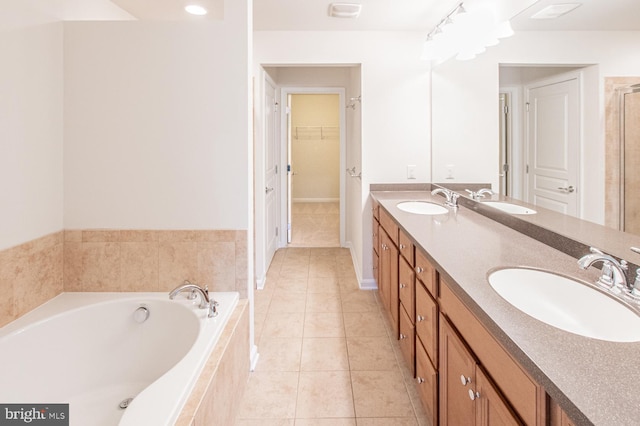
(521, 393)
(467, 395)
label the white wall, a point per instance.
(466, 92)
(156, 125)
(31, 99)
(394, 111)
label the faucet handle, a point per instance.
(635, 289)
(472, 194)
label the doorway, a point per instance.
(314, 163)
(314, 153)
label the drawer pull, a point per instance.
(473, 395)
(420, 380)
(419, 270)
(420, 318)
(465, 380)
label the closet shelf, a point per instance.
(316, 132)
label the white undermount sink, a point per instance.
(421, 207)
(509, 207)
(567, 304)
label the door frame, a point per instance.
(285, 91)
(556, 79)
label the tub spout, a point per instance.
(205, 301)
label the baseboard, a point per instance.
(260, 282)
(254, 358)
(368, 284)
(315, 200)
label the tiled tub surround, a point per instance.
(119, 260)
(593, 381)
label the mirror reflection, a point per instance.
(535, 117)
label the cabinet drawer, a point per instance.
(405, 246)
(427, 379)
(389, 225)
(426, 273)
(519, 389)
(406, 288)
(427, 322)
(407, 340)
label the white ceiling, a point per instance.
(405, 15)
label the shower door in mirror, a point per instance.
(630, 140)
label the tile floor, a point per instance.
(326, 356)
(315, 225)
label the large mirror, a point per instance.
(553, 76)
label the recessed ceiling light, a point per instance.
(195, 9)
(344, 10)
(555, 11)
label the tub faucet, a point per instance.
(613, 275)
(452, 197)
(205, 301)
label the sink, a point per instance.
(567, 304)
(509, 208)
(421, 207)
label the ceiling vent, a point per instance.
(344, 10)
(555, 11)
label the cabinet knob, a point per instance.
(402, 285)
(420, 380)
(385, 247)
(419, 318)
(473, 395)
(402, 246)
(419, 270)
(402, 336)
(465, 380)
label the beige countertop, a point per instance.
(594, 381)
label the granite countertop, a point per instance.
(594, 381)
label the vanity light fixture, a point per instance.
(345, 10)
(464, 33)
(554, 11)
(195, 9)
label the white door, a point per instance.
(553, 136)
(290, 173)
(271, 171)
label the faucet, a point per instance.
(613, 275)
(452, 197)
(480, 193)
(205, 302)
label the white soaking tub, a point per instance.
(96, 350)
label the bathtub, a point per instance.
(95, 351)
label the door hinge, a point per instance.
(505, 109)
(287, 110)
(275, 105)
(276, 169)
(527, 106)
(276, 231)
(526, 169)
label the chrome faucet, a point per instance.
(613, 275)
(480, 194)
(452, 197)
(205, 301)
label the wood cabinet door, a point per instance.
(394, 300)
(407, 338)
(406, 288)
(427, 322)
(491, 409)
(427, 383)
(457, 376)
(384, 267)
